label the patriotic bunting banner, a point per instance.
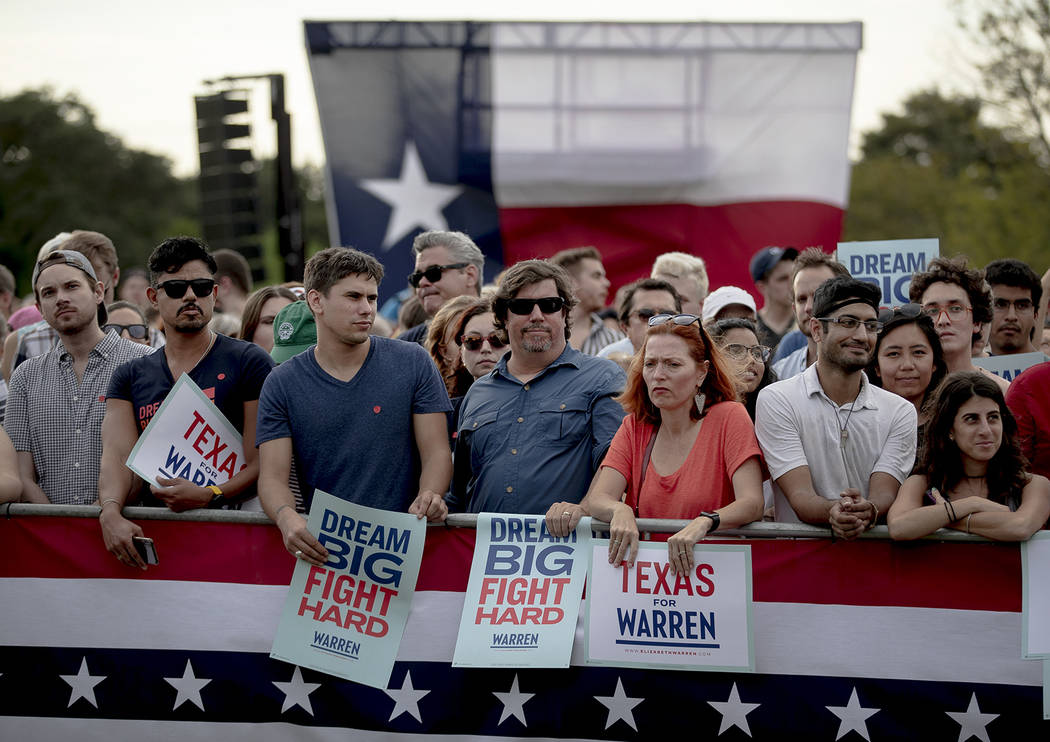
(715, 139)
(884, 640)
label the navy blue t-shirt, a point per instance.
(353, 439)
(230, 374)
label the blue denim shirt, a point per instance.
(521, 447)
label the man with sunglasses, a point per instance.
(230, 372)
(55, 407)
(448, 264)
(641, 300)
(838, 448)
(534, 430)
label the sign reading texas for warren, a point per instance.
(646, 615)
(523, 597)
(347, 617)
(188, 437)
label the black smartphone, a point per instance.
(146, 549)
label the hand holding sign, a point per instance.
(180, 494)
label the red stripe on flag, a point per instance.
(631, 237)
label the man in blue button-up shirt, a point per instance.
(534, 431)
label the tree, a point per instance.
(59, 172)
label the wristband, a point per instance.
(715, 519)
(278, 512)
(102, 505)
(216, 496)
(968, 523)
(874, 518)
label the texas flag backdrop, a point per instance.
(715, 139)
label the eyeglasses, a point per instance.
(138, 332)
(433, 273)
(473, 343)
(739, 351)
(547, 305)
(678, 319)
(954, 311)
(176, 288)
(872, 326)
(645, 314)
(1020, 305)
(907, 311)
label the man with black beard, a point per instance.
(837, 447)
(229, 372)
(535, 430)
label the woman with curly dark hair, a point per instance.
(971, 475)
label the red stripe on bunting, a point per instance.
(924, 574)
(630, 237)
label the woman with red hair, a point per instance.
(687, 448)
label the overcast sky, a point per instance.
(138, 63)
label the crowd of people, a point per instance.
(530, 395)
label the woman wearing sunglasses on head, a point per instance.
(738, 340)
(908, 358)
(971, 475)
(687, 448)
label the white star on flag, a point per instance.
(83, 684)
(296, 692)
(734, 712)
(972, 721)
(406, 699)
(189, 687)
(620, 706)
(513, 702)
(853, 717)
(414, 200)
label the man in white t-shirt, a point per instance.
(837, 448)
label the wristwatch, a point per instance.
(715, 519)
(217, 497)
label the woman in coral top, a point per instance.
(687, 448)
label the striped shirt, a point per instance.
(599, 336)
(59, 420)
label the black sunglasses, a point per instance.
(678, 319)
(176, 287)
(474, 343)
(547, 305)
(138, 332)
(433, 273)
(908, 311)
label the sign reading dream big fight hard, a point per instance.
(889, 264)
(347, 617)
(647, 616)
(190, 438)
(523, 596)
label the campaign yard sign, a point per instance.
(1010, 366)
(889, 264)
(523, 595)
(347, 617)
(1035, 597)
(649, 617)
(190, 438)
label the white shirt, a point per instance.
(620, 346)
(792, 364)
(797, 424)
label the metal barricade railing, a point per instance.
(763, 530)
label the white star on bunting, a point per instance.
(513, 703)
(83, 684)
(296, 692)
(853, 717)
(189, 687)
(620, 706)
(972, 721)
(734, 712)
(414, 200)
(406, 699)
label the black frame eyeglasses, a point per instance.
(432, 274)
(176, 287)
(137, 330)
(739, 351)
(872, 326)
(678, 319)
(524, 307)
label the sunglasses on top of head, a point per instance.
(678, 319)
(176, 287)
(547, 305)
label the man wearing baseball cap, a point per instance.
(771, 271)
(56, 402)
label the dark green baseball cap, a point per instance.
(294, 330)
